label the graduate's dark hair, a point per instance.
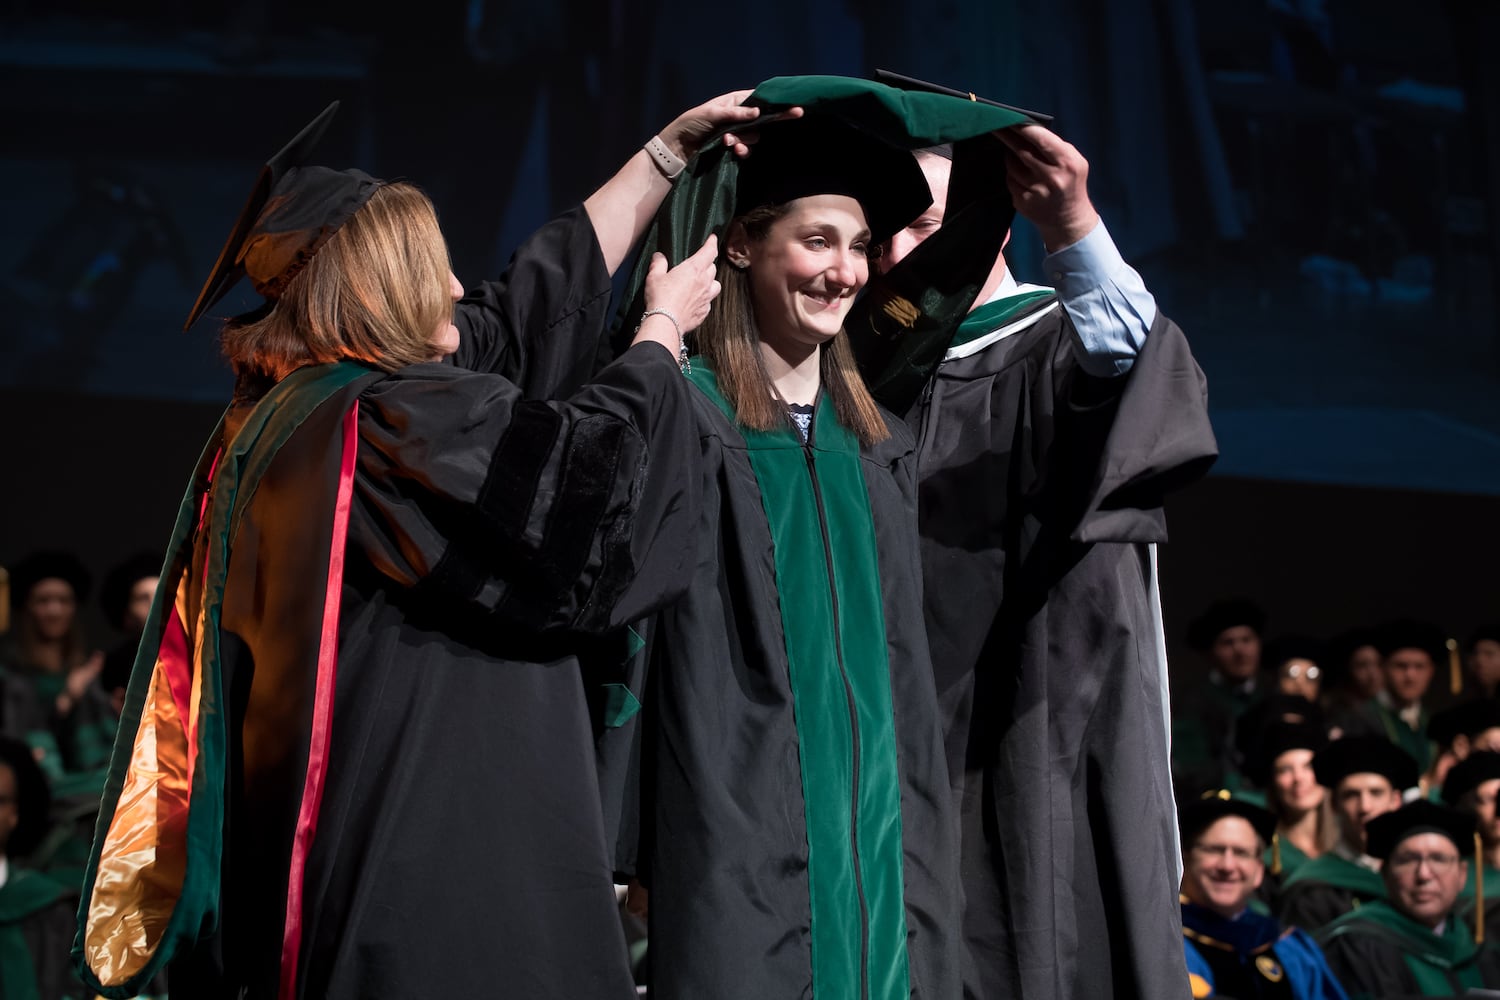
(375, 292)
(729, 342)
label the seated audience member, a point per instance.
(1282, 764)
(49, 697)
(36, 912)
(1482, 663)
(1410, 652)
(1412, 943)
(1296, 661)
(126, 601)
(1353, 676)
(1366, 776)
(1207, 707)
(1472, 787)
(1455, 733)
(1232, 951)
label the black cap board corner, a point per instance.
(227, 270)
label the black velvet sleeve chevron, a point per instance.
(556, 515)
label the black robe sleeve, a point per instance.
(574, 515)
(539, 325)
(1314, 905)
(1139, 437)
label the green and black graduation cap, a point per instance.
(292, 211)
(869, 120)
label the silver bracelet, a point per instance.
(683, 363)
(668, 162)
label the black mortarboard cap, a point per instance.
(1408, 634)
(1467, 718)
(1384, 834)
(1285, 648)
(1339, 650)
(47, 564)
(817, 154)
(1275, 740)
(1485, 633)
(33, 798)
(114, 592)
(1365, 754)
(1199, 815)
(703, 199)
(1469, 773)
(292, 211)
(1222, 615)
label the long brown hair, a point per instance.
(729, 342)
(375, 292)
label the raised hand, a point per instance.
(1048, 183)
(685, 291)
(691, 129)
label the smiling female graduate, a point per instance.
(796, 833)
(355, 755)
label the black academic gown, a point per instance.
(797, 838)
(458, 848)
(1040, 487)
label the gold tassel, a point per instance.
(1478, 889)
(1455, 667)
(1276, 853)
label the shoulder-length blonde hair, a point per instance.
(375, 292)
(729, 342)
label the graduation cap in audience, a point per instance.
(114, 592)
(33, 798)
(1286, 648)
(47, 564)
(292, 211)
(1410, 634)
(1384, 833)
(1365, 755)
(1275, 739)
(1221, 616)
(1469, 773)
(1469, 719)
(1485, 633)
(1212, 806)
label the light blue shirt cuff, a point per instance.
(1105, 298)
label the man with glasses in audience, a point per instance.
(1231, 950)
(1412, 943)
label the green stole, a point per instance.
(24, 893)
(1293, 858)
(1413, 741)
(237, 466)
(1340, 873)
(1436, 962)
(828, 583)
(1491, 883)
(993, 315)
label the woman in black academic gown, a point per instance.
(796, 837)
(355, 756)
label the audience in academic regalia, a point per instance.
(1366, 776)
(1473, 786)
(1412, 942)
